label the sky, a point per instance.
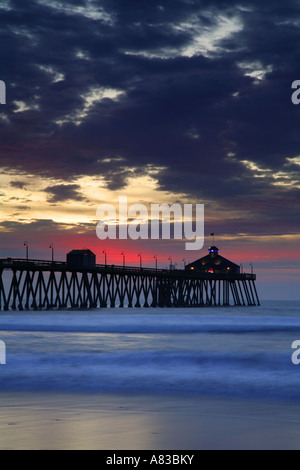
(161, 101)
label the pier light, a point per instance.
(155, 257)
(104, 252)
(140, 256)
(52, 251)
(26, 245)
(123, 254)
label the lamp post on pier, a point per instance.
(52, 251)
(123, 254)
(26, 245)
(104, 256)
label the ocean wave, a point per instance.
(147, 323)
(250, 374)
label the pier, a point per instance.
(29, 284)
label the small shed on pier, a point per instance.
(81, 259)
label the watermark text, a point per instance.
(2, 352)
(296, 94)
(2, 92)
(164, 221)
(296, 354)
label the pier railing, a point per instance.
(9, 263)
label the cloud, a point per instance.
(63, 192)
(18, 184)
(199, 89)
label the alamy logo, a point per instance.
(2, 92)
(2, 352)
(164, 221)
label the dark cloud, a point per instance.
(43, 226)
(185, 112)
(63, 192)
(18, 184)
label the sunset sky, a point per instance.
(161, 101)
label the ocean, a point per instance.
(229, 353)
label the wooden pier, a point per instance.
(27, 284)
